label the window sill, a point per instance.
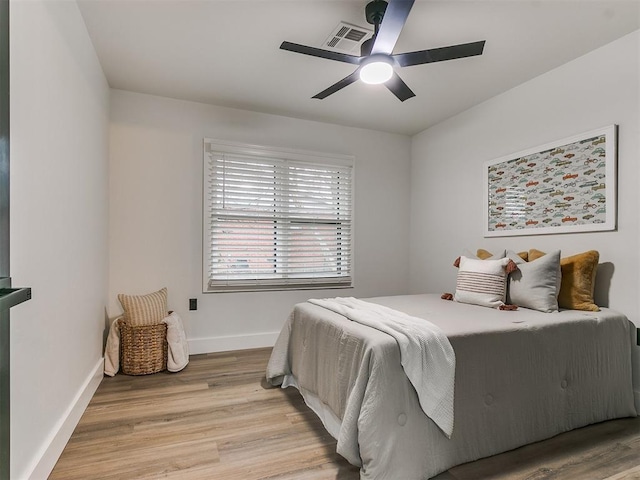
(274, 288)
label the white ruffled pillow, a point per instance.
(482, 282)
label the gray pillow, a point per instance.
(535, 284)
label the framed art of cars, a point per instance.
(565, 186)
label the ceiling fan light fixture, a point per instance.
(377, 63)
(377, 70)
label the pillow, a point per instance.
(535, 284)
(534, 254)
(484, 255)
(147, 309)
(480, 255)
(482, 282)
(578, 280)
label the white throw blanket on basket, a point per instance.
(177, 346)
(426, 354)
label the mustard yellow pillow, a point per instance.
(147, 309)
(534, 254)
(483, 255)
(578, 280)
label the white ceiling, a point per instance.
(227, 52)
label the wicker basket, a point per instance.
(143, 348)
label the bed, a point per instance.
(520, 377)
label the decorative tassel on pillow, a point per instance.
(446, 296)
(510, 268)
(457, 262)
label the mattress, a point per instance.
(521, 376)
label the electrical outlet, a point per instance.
(193, 304)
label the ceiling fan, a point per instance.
(376, 62)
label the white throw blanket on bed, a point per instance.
(177, 346)
(426, 355)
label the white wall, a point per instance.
(156, 211)
(59, 175)
(598, 89)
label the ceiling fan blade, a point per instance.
(399, 88)
(439, 54)
(318, 52)
(346, 81)
(394, 19)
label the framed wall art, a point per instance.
(565, 186)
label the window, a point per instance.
(276, 219)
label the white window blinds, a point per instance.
(274, 222)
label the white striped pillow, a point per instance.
(147, 309)
(482, 282)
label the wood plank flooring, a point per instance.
(215, 421)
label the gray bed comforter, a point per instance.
(521, 376)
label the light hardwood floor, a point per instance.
(215, 421)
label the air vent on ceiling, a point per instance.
(347, 38)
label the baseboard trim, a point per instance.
(46, 458)
(232, 342)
